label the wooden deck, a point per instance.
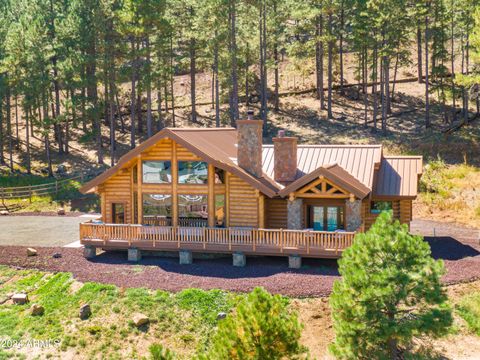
(276, 242)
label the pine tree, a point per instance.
(261, 328)
(390, 291)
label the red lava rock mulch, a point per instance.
(316, 277)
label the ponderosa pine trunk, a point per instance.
(9, 126)
(233, 49)
(193, 70)
(342, 24)
(132, 95)
(330, 65)
(27, 141)
(217, 85)
(427, 84)
(319, 53)
(149, 88)
(419, 55)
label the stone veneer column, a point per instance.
(353, 215)
(294, 214)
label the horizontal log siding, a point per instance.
(402, 211)
(117, 190)
(276, 213)
(243, 203)
(161, 151)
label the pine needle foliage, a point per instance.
(261, 328)
(390, 292)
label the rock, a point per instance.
(57, 256)
(20, 299)
(4, 213)
(36, 309)
(221, 315)
(61, 211)
(61, 169)
(140, 319)
(85, 312)
(31, 252)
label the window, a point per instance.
(219, 176)
(135, 174)
(157, 172)
(156, 206)
(220, 210)
(377, 207)
(192, 172)
(118, 213)
(193, 210)
(326, 218)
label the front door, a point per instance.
(326, 218)
(118, 213)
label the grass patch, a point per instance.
(469, 309)
(186, 318)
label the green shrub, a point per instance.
(390, 291)
(261, 328)
(158, 352)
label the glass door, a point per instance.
(326, 218)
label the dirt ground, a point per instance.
(315, 314)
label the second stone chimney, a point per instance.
(249, 152)
(285, 157)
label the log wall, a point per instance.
(117, 190)
(242, 203)
(402, 210)
(276, 213)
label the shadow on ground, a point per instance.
(448, 248)
(221, 266)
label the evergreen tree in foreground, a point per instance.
(390, 291)
(261, 328)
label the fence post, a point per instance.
(56, 187)
(30, 193)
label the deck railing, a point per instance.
(264, 241)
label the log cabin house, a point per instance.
(223, 190)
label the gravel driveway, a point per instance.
(39, 230)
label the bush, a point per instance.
(390, 291)
(261, 328)
(158, 352)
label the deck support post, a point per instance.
(294, 261)
(239, 259)
(134, 255)
(185, 257)
(89, 252)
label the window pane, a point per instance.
(219, 176)
(157, 172)
(192, 210)
(332, 218)
(220, 210)
(318, 218)
(157, 205)
(379, 206)
(192, 172)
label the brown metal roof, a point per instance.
(217, 145)
(352, 166)
(358, 160)
(336, 174)
(398, 176)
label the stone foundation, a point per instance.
(294, 262)
(353, 215)
(294, 213)
(239, 259)
(134, 255)
(185, 257)
(89, 252)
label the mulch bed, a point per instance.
(316, 277)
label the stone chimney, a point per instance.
(285, 157)
(249, 152)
